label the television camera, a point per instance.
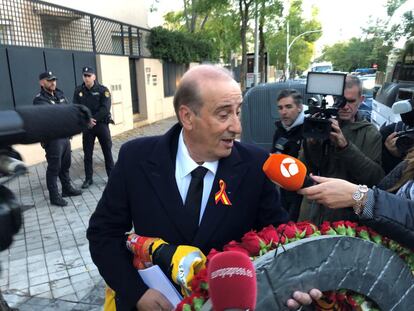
(405, 137)
(317, 125)
(28, 125)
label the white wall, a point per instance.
(113, 72)
(133, 12)
(152, 103)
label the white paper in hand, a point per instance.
(156, 279)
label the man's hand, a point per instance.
(92, 123)
(153, 300)
(337, 137)
(391, 146)
(303, 299)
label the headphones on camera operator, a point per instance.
(317, 125)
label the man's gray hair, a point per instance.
(352, 81)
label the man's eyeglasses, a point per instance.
(87, 76)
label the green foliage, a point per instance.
(357, 53)
(180, 47)
(302, 50)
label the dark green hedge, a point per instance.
(181, 48)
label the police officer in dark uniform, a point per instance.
(58, 151)
(98, 99)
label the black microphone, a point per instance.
(32, 124)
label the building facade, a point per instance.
(65, 35)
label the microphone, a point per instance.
(11, 166)
(406, 111)
(232, 282)
(287, 172)
(402, 106)
(32, 124)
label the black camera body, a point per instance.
(405, 140)
(317, 125)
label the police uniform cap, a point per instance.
(48, 75)
(88, 70)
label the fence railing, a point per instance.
(33, 23)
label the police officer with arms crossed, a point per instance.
(58, 151)
(98, 99)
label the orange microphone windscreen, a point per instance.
(286, 171)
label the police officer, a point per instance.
(98, 99)
(58, 151)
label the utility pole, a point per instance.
(256, 46)
(289, 45)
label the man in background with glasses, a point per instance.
(98, 99)
(353, 154)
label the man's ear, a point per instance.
(186, 116)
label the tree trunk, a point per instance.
(244, 18)
(187, 24)
(262, 47)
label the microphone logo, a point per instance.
(288, 167)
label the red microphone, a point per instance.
(232, 282)
(286, 171)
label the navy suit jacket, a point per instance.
(142, 192)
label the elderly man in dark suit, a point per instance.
(151, 183)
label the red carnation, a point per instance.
(289, 230)
(269, 236)
(252, 242)
(326, 229)
(212, 253)
(199, 283)
(362, 232)
(185, 304)
(375, 237)
(339, 227)
(350, 228)
(236, 247)
(308, 228)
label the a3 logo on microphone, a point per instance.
(289, 168)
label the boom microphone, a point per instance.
(32, 124)
(286, 171)
(232, 282)
(406, 111)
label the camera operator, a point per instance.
(391, 156)
(58, 151)
(287, 139)
(353, 153)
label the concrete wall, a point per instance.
(114, 74)
(152, 104)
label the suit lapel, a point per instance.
(231, 170)
(160, 170)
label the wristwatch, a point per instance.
(358, 195)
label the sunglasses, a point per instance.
(351, 101)
(87, 76)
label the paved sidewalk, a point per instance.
(48, 267)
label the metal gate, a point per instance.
(20, 68)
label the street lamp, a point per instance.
(289, 45)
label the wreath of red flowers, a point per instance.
(255, 244)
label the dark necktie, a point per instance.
(194, 195)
